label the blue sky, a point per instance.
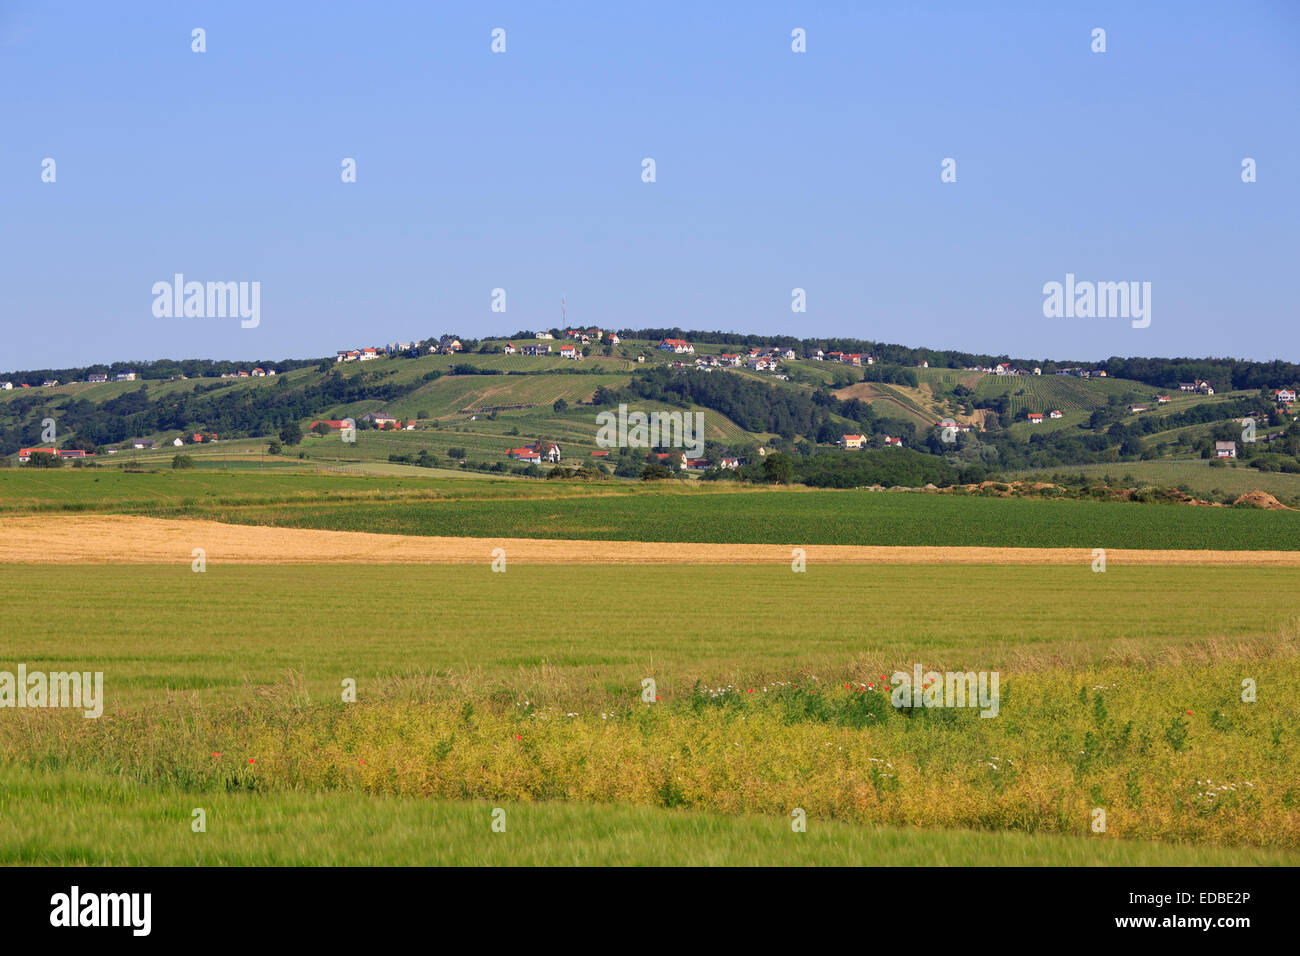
(522, 170)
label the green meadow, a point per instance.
(565, 633)
(228, 690)
(231, 690)
(99, 820)
(631, 511)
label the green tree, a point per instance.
(560, 406)
(778, 468)
(291, 433)
(181, 462)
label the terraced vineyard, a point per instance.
(1034, 393)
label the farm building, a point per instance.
(25, 454)
(1225, 449)
(679, 346)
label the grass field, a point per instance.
(804, 518)
(60, 819)
(474, 690)
(156, 629)
(1114, 692)
(639, 512)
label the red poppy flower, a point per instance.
(216, 753)
(251, 760)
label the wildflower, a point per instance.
(216, 753)
(517, 737)
(251, 760)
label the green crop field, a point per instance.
(100, 820)
(804, 518)
(322, 621)
(632, 511)
(304, 706)
(1118, 691)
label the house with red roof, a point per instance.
(680, 346)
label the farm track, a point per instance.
(122, 539)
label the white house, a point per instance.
(1225, 449)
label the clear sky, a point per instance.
(522, 171)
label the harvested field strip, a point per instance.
(124, 539)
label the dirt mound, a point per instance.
(1261, 499)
